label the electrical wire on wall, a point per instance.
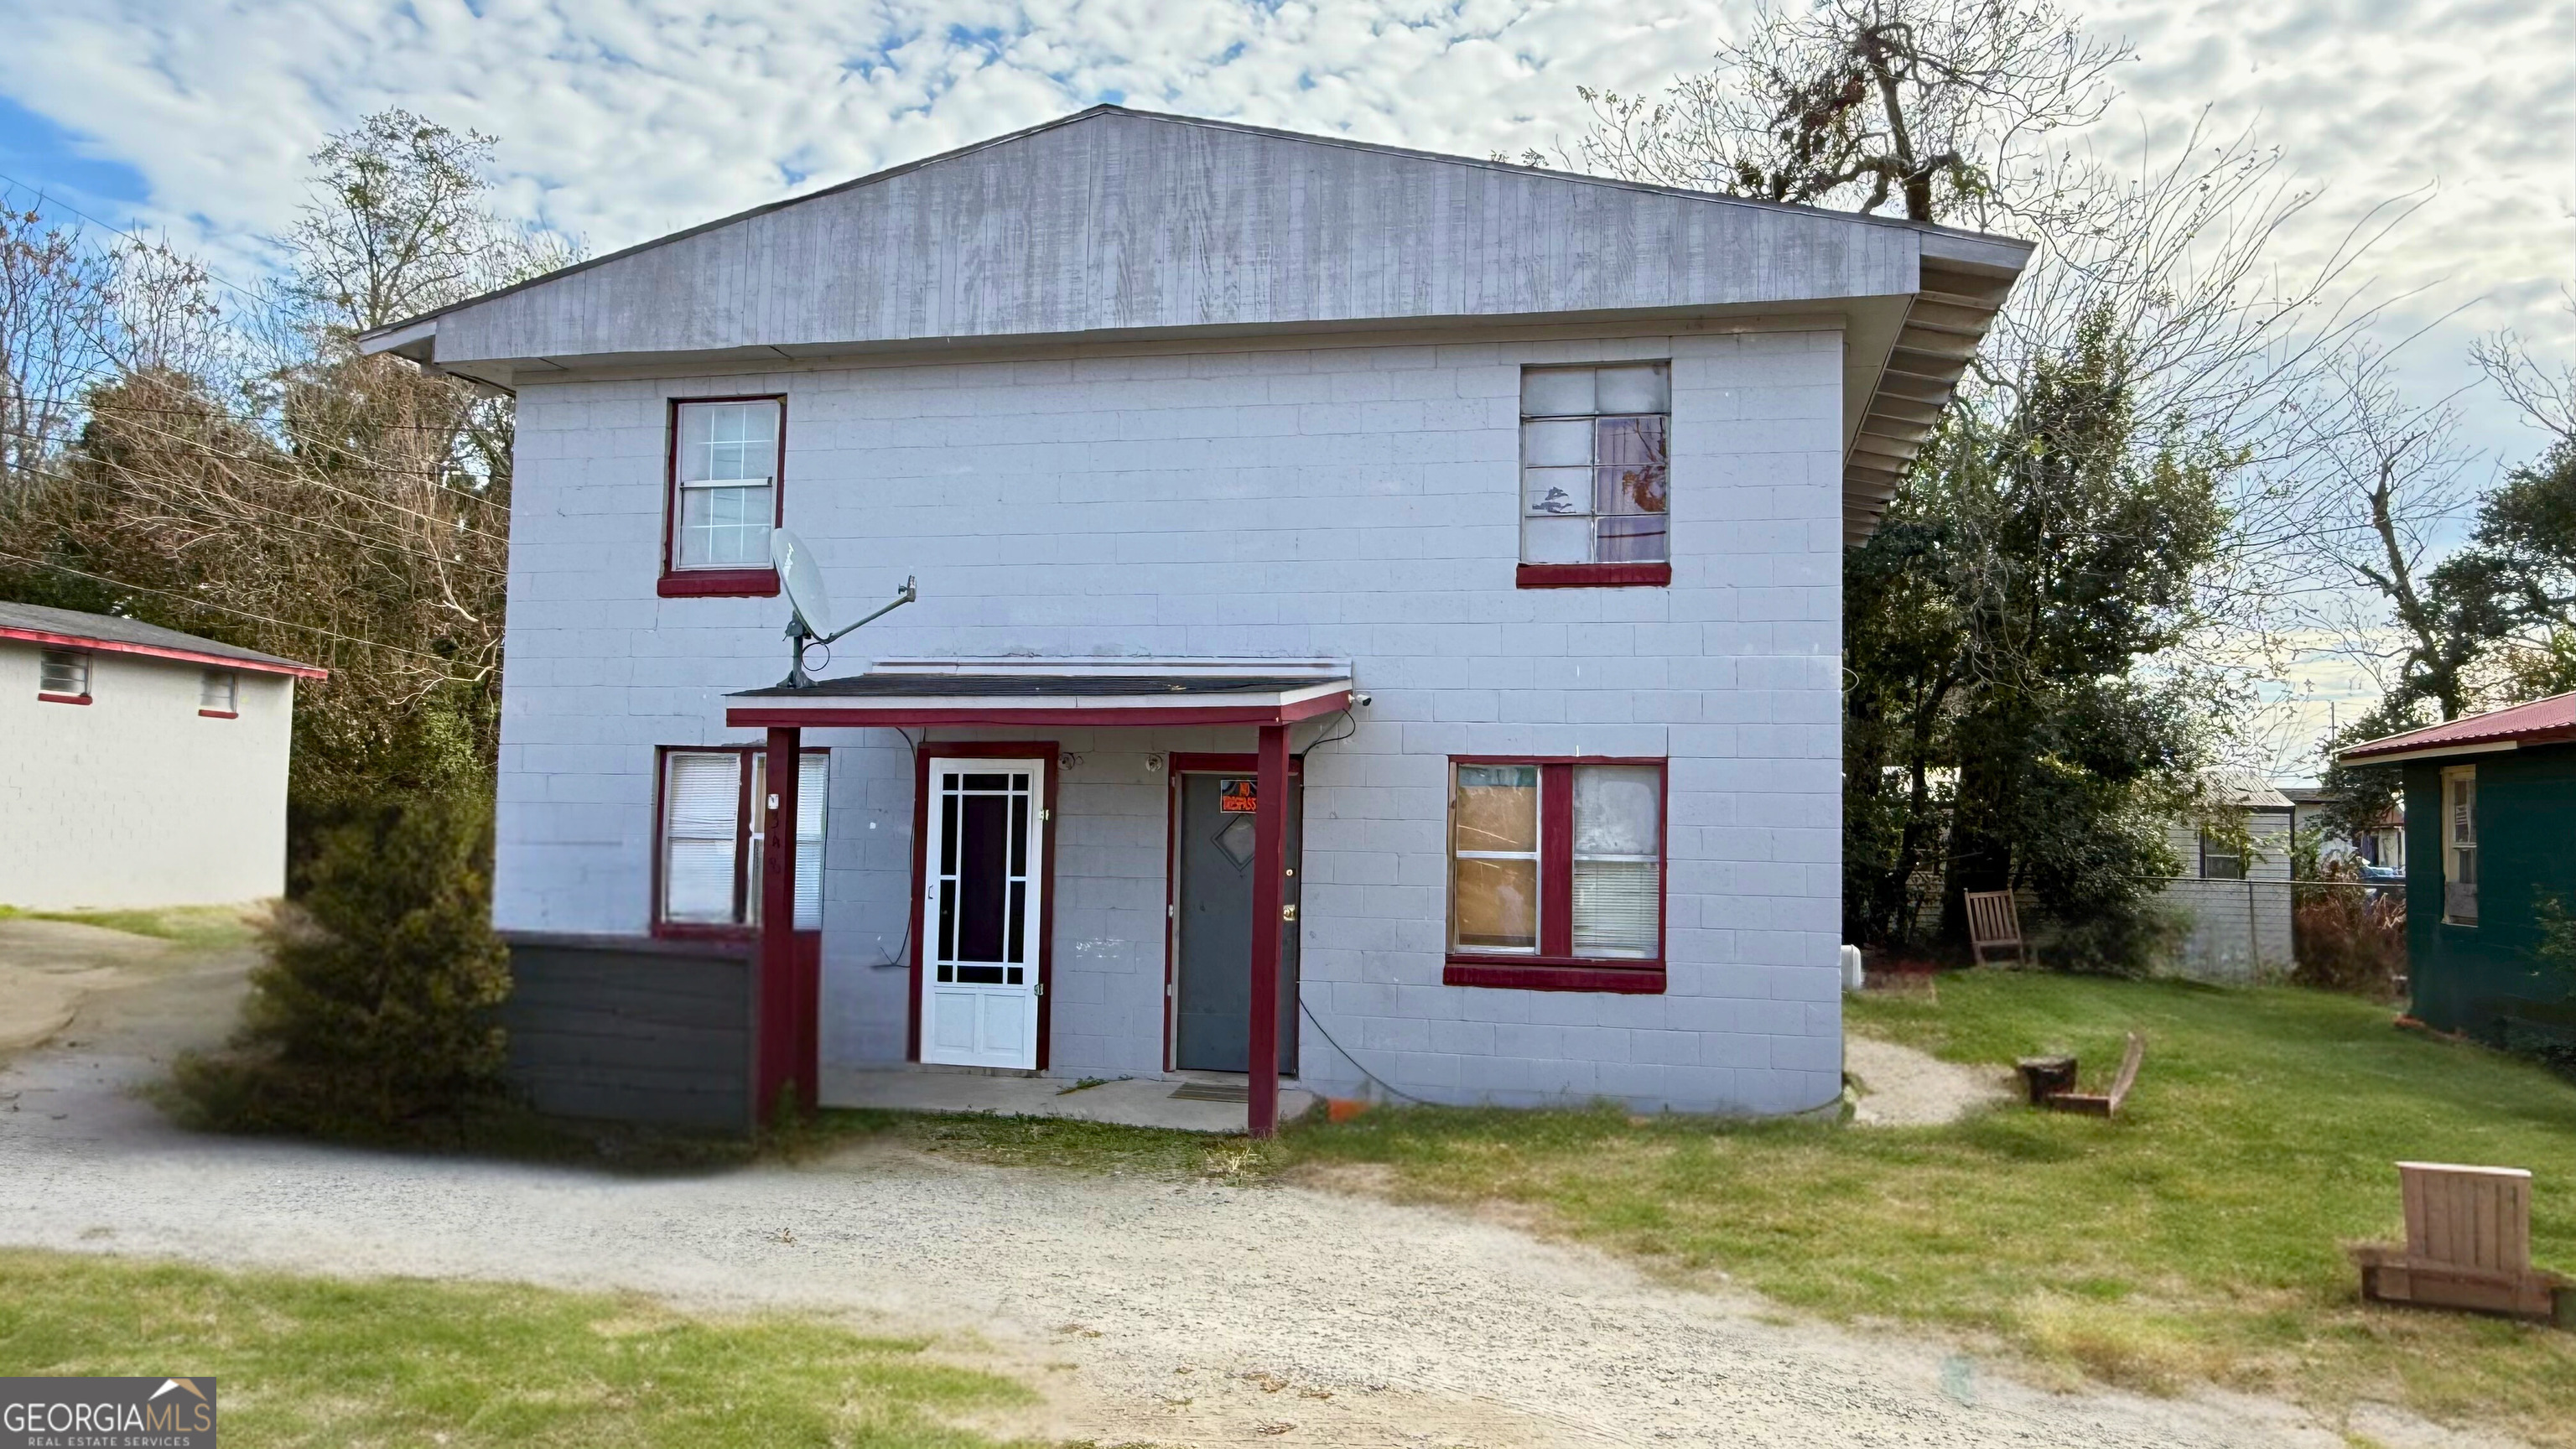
(1350, 727)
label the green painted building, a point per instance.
(2490, 838)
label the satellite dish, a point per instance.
(802, 578)
(809, 605)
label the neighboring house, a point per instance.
(2239, 905)
(144, 767)
(2491, 820)
(2381, 848)
(1440, 555)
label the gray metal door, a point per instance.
(1213, 1017)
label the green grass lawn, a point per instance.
(199, 927)
(2196, 1239)
(306, 1361)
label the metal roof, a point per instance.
(110, 633)
(1115, 225)
(1065, 692)
(2543, 721)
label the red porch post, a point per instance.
(1269, 862)
(777, 1049)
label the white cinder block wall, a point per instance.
(1352, 502)
(135, 799)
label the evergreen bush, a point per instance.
(376, 1014)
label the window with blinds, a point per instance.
(2460, 845)
(711, 834)
(63, 674)
(218, 692)
(1557, 861)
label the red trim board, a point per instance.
(156, 651)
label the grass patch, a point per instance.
(310, 1361)
(196, 927)
(1041, 1142)
(2196, 1239)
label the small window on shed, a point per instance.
(2460, 845)
(63, 674)
(219, 692)
(2220, 860)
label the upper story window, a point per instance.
(709, 846)
(1556, 874)
(219, 693)
(2460, 845)
(1596, 476)
(727, 460)
(62, 675)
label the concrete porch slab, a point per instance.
(1128, 1102)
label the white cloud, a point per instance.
(621, 121)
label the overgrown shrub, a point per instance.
(376, 1014)
(2116, 938)
(2347, 938)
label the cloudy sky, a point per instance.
(620, 121)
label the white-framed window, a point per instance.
(218, 692)
(2460, 845)
(726, 458)
(708, 839)
(63, 674)
(2220, 860)
(1596, 477)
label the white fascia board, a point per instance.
(415, 340)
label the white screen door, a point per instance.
(981, 879)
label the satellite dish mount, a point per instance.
(809, 619)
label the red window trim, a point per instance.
(44, 698)
(1555, 967)
(219, 714)
(736, 930)
(1593, 576)
(705, 583)
(1047, 750)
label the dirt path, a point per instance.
(1142, 1309)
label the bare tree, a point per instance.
(1940, 106)
(2545, 395)
(55, 306)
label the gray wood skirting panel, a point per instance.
(633, 1029)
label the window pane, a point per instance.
(1497, 807)
(728, 441)
(1636, 538)
(1562, 444)
(1618, 810)
(1556, 392)
(1556, 540)
(1497, 905)
(63, 671)
(1640, 388)
(813, 793)
(724, 527)
(697, 881)
(983, 904)
(1634, 488)
(1614, 907)
(1628, 441)
(1556, 491)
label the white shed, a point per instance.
(144, 767)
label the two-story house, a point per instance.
(1436, 557)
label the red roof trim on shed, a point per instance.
(155, 651)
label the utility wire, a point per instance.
(41, 199)
(445, 664)
(336, 534)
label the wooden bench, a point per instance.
(1993, 923)
(2468, 1245)
(2051, 1082)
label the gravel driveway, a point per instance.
(1153, 1310)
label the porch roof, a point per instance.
(1053, 693)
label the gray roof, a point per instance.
(1114, 224)
(115, 634)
